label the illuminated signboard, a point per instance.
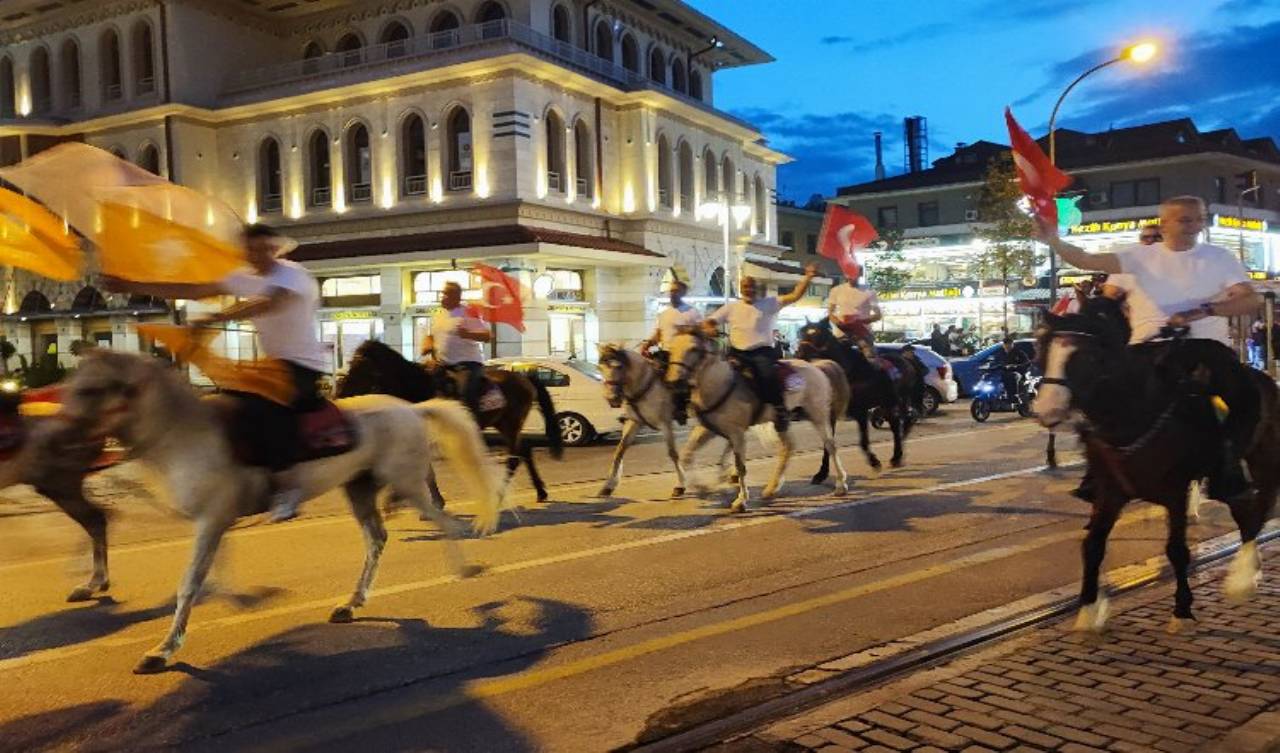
(1112, 226)
(1237, 223)
(1256, 275)
(918, 295)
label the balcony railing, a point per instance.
(685, 201)
(553, 182)
(664, 198)
(361, 193)
(415, 185)
(321, 197)
(114, 91)
(272, 203)
(582, 186)
(460, 181)
(146, 85)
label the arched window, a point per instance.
(686, 177)
(144, 59)
(35, 302)
(695, 85)
(458, 144)
(358, 163)
(604, 40)
(657, 66)
(270, 195)
(118, 153)
(70, 74)
(678, 78)
(561, 24)
(348, 48)
(112, 80)
(319, 171)
(413, 156)
(716, 283)
(89, 299)
(556, 175)
(762, 205)
(149, 159)
(8, 93)
(444, 29)
(41, 83)
(729, 181)
(396, 37)
(665, 187)
(490, 11)
(583, 153)
(313, 50)
(630, 53)
(710, 176)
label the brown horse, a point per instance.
(376, 368)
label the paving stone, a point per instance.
(935, 736)
(977, 719)
(933, 720)
(878, 718)
(839, 737)
(926, 705)
(1032, 737)
(1125, 733)
(889, 739)
(1077, 735)
(1078, 748)
(993, 740)
(853, 725)
(811, 741)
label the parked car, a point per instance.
(967, 369)
(576, 388)
(939, 386)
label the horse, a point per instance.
(187, 442)
(869, 388)
(633, 381)
(1143, 441)
(727, 406)
(376, 368)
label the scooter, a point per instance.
(989, 395)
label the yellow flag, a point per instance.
(32, 238)
(266, 377)
(136, 243)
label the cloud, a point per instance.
(918, 34)
(835, 40)
(1034, 10)
(830, 150)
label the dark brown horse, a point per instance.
(376, 368)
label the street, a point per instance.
(595, 623)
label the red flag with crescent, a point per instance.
(500, 297)
(844, 232)
(1040, 179)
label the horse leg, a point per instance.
(629, 431)
(696, 439)
(829, 447)
(1179, 555)
(437, 498)
(899, 424)
(1050, 451)
(824, 470)
(669, 434)
(1250, 513)
(526, 452)
(1094, 607)
(723, 465)
(70, 498)
(408, 490)
(362, 494)
(779, 471)
(209, 531)
(738, 441)
(864, 440)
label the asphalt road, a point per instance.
(595, 622)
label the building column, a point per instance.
(69, 330)
(124, 334)
(619, 304)
(396, 331)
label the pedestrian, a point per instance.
(940, 342)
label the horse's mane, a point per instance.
(398, 375)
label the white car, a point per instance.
(577, 390)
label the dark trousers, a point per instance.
(762, 364)
(1009, 377)
(474, 382)
(270, 430)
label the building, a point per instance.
(569, 142)
(1120, 175)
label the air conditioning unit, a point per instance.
(1098, 198)
(971, 215)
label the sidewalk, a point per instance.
(1135, 689)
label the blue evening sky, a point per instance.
(846, 68)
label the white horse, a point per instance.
(725, 402)
(184, 439)
(634, 382)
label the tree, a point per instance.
(816, 203)
(890, 273)
(1005, 227)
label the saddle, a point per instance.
(453, 384)
(250, 423)
(888, 367)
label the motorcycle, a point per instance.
(989, 395)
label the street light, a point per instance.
(722, 211)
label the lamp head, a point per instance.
(1141, 52)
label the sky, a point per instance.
(847, 68)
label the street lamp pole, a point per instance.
(725, 214)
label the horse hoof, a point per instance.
(1092, 618)
(606, 491)
(842, 489)
(818, 479)
(1239, 591)
(677, 492)
(738, 506)
(874, 463)
(150, 664)
(1180, 625)
(342, 615)
(82, 593)
(543, 496)
(896, 462)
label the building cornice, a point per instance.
(73, 18)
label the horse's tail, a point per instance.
(458, 436)
(554, 441)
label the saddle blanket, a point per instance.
(492, 399)
(792, 380)
(325, 432)
(889, 367)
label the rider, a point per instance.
(750, 321)
(281, 299)
(455, 339)
(852, 310)
(1012, 364)
(676, 316)
(1185, 282)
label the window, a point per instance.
(458, 144)
(630, 53)
(657, 66)
(686, 177)
(319, 171)
(489, 12)
(710, 177)
(556, 174)
(313, 50)
(427, 286)
(678, 76)
(111, 65)
(413, 156)
(729, 180)
(35, 302)
(887, 217)
(811, 242)
(1135, 193)
(561, 25)
(149, 159)
(665, 197)
(41, 82)
(445, 20)
(269, 177)
(8, 93)
(565, 285)
(396, 39)
(358, 164)
(362, 290)
(70, 74)
(583, 160)
(789, 239)
(348, 48)
(604, 40)
(716, 283)
(144, 59)
(762, 205)
(89, 299)
(695, 85)
(927, 213)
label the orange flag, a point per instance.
(141, 239)
(32, 238)
(266, 377)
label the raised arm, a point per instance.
(1047, 233)
(799, 291)
(168, 290)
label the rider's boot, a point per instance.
(680, 410)
(1085, 491)
(286, 497)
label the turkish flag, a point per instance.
(1040, 179)
(844, 231)
(500, 297)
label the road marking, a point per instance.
(258, 529)
(64, 652)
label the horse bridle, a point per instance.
(1059, 381)
(621, 384)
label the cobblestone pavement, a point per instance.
(1134, 689)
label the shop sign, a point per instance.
(566, 308)
(1239, 223)
(350, 315)
(1255, 274)
(920, 295)
(1112, 226)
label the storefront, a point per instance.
(911, 312)
(1255, 240)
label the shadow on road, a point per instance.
(50, 729)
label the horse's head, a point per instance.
(814, 339)
(376, 368)
(1072, 351)
(106, 390)
(615, 365)
(688, 351)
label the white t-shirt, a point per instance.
(1166, 282)
(750, 324)
(673, 318)
(846, 300)
(450, 348)
(289, 332)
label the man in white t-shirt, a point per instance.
(281, 299)
(679, 315)
(853, 310)
(751, 321)
(456, 338)
(1178, 282)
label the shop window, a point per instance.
(927, 213)
(427, 286)
(887, 217)
(346, 335)
(345, 292)
(70, 74)
(559, 285)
